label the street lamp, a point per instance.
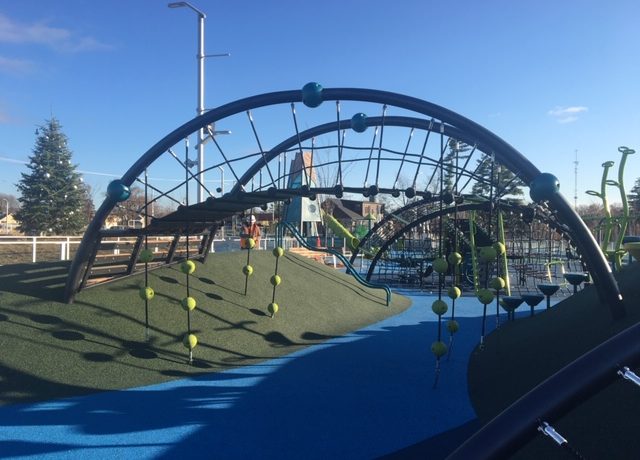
(200, 109)
(6, 217)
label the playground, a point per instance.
(479, 319)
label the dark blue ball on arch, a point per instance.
(312, 94)
(543, 187)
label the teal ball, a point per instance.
(544, 187)
(117, 191)
(312, 94)
(359, 122)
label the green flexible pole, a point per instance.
(624, 220)
(505, 268)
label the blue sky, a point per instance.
(549, 77)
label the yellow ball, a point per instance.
(497, 283)
(275, 280)
(190, 341)
(439, 349)
(250, 243)
(453, 326)
(499, 247)
(485, 296)
(440, 265)
(146, 293)
(146, 255)
(188, 303)
(278, 252)
(439, 307)
(273, 308)
(454, 292)
(188, 267)
(247, 270)
(455, 258)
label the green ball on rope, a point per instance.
(499, 248)
(439, 307)
(146, 256)
(497, 283)
(454, 292)
(275, 280)
(485, 296)
(188, 267)
(440, 265)
(455, 258)
(453, 326)
(247, 270)
(249, 243)
(278, 252)
(273, 308)
(188, 303)
(146, 293)
(439, 348)
(190, 341)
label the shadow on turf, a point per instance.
(370, 396)
(44, 281)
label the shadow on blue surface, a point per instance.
(365, 395)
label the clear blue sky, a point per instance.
(549, 77)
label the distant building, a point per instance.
(356, 216)
(303, 212)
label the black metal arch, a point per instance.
(504, 154)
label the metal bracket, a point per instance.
(548, 430)
(628, 374)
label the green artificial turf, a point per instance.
(51, 349)
(525, 352)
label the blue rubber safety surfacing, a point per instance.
(360, 396)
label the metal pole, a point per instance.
(200, 109)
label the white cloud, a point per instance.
(42, 34)
(567, 114)
(15, 66)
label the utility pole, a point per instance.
(575, 182)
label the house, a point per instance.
(356, 216)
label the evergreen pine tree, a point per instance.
(634, 198)
(506, 182)
(52, 193)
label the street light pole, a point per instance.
(200, 109)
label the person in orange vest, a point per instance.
(250, 230)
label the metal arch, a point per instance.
(505, 153)
(546, 218)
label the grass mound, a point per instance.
(51, 349)
(523, 353)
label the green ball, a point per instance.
(273, 308)
(146, 256)
(190, 341)
(439, 307)
(455, 258)
(188, 267)
(487, 254)
(440, 265)
(485, 296)
(146, 293)
(247, 270)
(278, 252)
(439, 349)
(497, 283)
(250, 243)
(499, 247)
(188, 303)
(454, 292)
(453, 326)
(275, 280)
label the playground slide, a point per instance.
(341, 231)
(282, 226)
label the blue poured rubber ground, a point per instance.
(364, 395)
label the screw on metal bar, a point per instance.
(548, 430)
(628, 374)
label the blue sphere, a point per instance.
(312, 94)
(359, 122)
(543, 187)
(118, 191)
